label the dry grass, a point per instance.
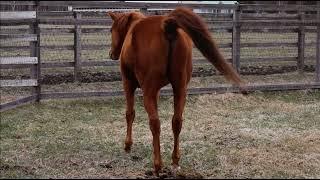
(262, 135)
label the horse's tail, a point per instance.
(196, 28)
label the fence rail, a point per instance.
(217, 28)
(21, 15)
(28, 18)
(107, 46)
(192, 91)
(290, 19)
(18, 60)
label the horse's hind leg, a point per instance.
(180, 92)
(150, 98)
(129, 88)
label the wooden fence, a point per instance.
(28, 18)
(300, 20)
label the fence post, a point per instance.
(35, 52)
(77, 46)
(144, 10)
(318, 45)
(236, 39)
(301, 43)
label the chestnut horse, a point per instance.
(155, 51)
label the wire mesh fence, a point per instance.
(268, 54)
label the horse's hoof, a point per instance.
(151, 173)
(156, 173)
(175, 169)
(127, 146)
(127, 149)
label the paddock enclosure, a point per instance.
(54, 57)
(49, 52)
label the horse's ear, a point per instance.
(112, 15)
(126, 19)
(129, 19)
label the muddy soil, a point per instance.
(88, 77)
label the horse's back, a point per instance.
(149, 41)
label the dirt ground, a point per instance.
(204, 71)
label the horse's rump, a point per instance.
(150, 49)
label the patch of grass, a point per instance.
(303, 96)
(262, 135)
